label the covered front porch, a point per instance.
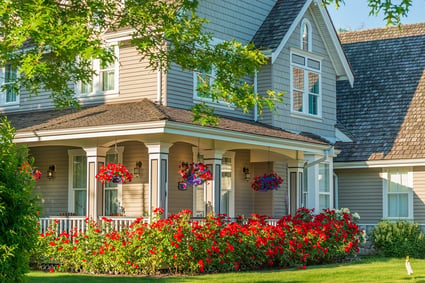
(73, 147)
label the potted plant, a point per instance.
(193, 174)
(266, 182)
(115, 173)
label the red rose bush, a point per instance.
(178, 244)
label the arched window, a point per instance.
(306, 35)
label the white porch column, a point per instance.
(296, 178)
(95, 158)
(158, 176)
(213, 160)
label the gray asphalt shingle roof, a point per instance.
(277, 23)
(141, 111)
(385, 110)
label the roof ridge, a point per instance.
(382, 33)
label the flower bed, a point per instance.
(184, 246)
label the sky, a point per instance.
(354, 15)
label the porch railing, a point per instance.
(78, 223)
(118, 223)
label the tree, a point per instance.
(53, 42)
(392, 9)
(18, 209)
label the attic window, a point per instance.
(306, 35)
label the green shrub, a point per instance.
(18, 212)
(399, 239)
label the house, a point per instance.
(141, 118)
(380, 170)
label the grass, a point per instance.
(366, 270)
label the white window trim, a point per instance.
(306, 69)
(330, 184)
(384, 176)
(97, 79)
(231, 155)
(3, 103)
(309, 35)
(79, 152)
(120, 150)
(71, 154)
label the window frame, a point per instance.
(3, 93)
(306, 91)
(306, 23)
(97, 79)
(386, 176)
(115, 186)
(71, 190)
(324, 171)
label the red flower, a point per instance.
(116, 173)
(201, 265)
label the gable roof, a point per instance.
(278, 23)
(385, 110)
(144, 114)
(283, 19)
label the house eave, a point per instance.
(167, 127)
(379, 163)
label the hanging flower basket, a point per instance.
(193, 174)
(266, 182)
(115, 173)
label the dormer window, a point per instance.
(306, 44)
(306, 91)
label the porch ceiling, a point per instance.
(144, 120)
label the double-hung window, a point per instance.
(200, 78)
(106, 77)
(78, 182)
(113, 191)
(398, 194)
(305, 84)
(9, 93)
(324, 186)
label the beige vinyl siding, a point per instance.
(53, 193)
(244, 195)
(265, 82)
(179, 88)
(235, 19)
(323, 126)
(228, 20)
(135, 195)
(419, 194)
(137, 80)
(360, 190)
(262, 200)
(178, 200)
(280, 196)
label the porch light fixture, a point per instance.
(138, 168)
(245, 171)
(51, 171)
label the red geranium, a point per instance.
(115, 173)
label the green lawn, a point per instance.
(372, 270)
